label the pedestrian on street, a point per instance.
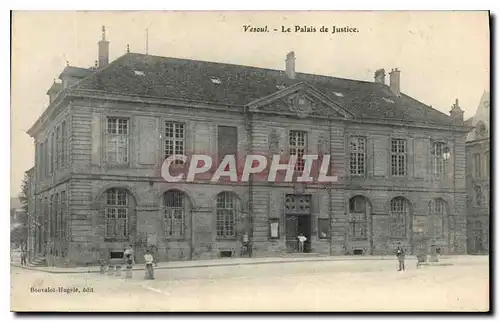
(23, 256)
(129, 256)
(302, 240)
(148, 258)
(400, 254)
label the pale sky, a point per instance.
(441, 55)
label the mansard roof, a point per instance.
(236, 85)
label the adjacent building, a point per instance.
(478, 178)
(102, 140)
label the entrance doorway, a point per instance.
(296, 224)
(298, 220)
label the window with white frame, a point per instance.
(226, 215)
(117, 140)
(357, 150)
(437, 211)
(398, 157)
(174, 205)
(297, 146)
(116, 213)
(174, 140)
(437, 154)
(399, 213)
(357, 217)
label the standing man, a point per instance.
(400, 254)
(302, 239)
(23, 256)
(148, 258)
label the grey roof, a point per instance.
(147, 75)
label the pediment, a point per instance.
(300, 100)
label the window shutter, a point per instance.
(97, 137)
(283, 143)
(148, 133)
(421, 158)
(380, 153)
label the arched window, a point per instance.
(226, 214)
(116, 213)
(174, 212)
(437, 212)
(358, 207)
(400, 210)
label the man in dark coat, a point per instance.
(400, 254)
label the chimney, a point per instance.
(103, 49)
(290, 65)
(394, 82)
(380, 76)
(457, 114)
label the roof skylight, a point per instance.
(139, 73)
(280, 87)
(388, 100)
(215, 80)
(338, 94)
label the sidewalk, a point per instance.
(244, 261)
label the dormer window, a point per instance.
(215, 80)
(480, 129)
(139, 73)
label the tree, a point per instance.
(22, 232)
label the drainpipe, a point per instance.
(249, 130)
(330, 205)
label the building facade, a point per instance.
(478, 179)
(101, 143)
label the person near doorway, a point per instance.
(129, 256)
(302, 239)
(400, 254)
(148, 258)
(23, 256)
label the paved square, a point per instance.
(347, 285)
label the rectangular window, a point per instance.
(487, 163)
(478, 192)
(324, 228)
(58, 158)
(42, 160)
(63, 220)
(357, 150)
(46, 219)
(437, 155)
(477, 165)
(398, 157)
(174, 142)
(227, 141)
(63, 144)
(52, 153)
(56, 216)
(297, 146)
(117, 140)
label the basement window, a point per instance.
(388, 100)
(139, 73)
(338, 94)
(116, 255)
(215, 80)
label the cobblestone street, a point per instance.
(346, 285)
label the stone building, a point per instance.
(478, 178)
(101, 142)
